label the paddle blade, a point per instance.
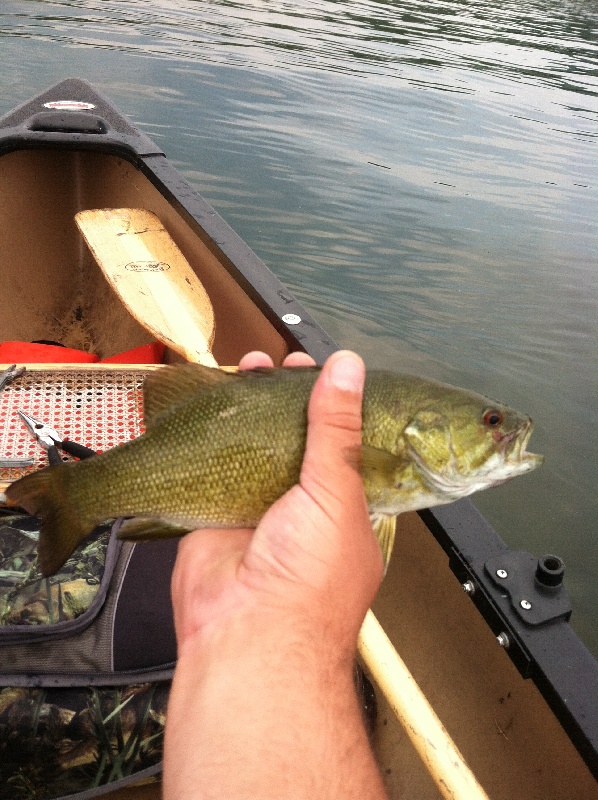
(152, 277)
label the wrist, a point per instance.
(257, 700)
(269, 644)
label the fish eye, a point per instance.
(492, 418)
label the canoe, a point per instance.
(513, 685)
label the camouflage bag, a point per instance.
(86, 661)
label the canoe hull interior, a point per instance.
(500, 722)
(51, 285)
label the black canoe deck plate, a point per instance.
(527, 580)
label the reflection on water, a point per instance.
(422, 175)
(543, 43)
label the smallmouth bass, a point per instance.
(220, 448)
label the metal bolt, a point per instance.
(468, 587)
(503, 640)
(502, 573)
(525, 604)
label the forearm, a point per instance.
(264, 719)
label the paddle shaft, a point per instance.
(440, 755)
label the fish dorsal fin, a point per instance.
(169, 387)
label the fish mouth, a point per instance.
(514, 448)
(510, 458)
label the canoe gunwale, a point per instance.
(550, 654)
(255, 278)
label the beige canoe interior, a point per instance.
(53, 290)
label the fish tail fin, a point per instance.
(44, 495)
(385, 528)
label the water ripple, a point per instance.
(421, 43)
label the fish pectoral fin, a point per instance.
(385, 528)
(429, 436)
(144, 528)
(169, 387)
(381, 467)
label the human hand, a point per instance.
(263, 703)
(313, 558)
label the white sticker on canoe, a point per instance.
(291, 319)
(69, 105)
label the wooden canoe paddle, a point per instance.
(152, 277)
(155, 282)
(432, 742)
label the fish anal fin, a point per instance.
(385, 528)
(148, 528)
(169, 387)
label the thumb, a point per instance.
(331, 477)
(319, 533)
(330, 472)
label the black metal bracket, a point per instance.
(534, 585)
(495, 606)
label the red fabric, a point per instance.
(32, 353)
(146, 354)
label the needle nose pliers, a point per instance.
(51, 440)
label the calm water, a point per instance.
(422, 175)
